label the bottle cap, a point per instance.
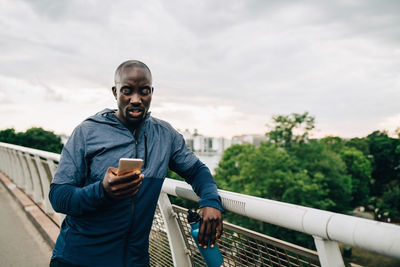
(193, 217)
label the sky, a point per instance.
(222, 67)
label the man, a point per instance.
(109, 217)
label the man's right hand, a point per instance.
(123, 186)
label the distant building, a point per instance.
(253, 139)
(201, 144)
(204, 144)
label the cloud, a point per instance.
(50, 94)
(390, 123)
(247, 60)
(4, 98)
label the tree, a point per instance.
(334, 143)
(35, 137)
(361, 144)
(386, 160)
(391, 201)
(359, 167)
(9, 136)
(228, 169)
(265, 172)
(397, 132)
(290, 129)
(326, 168)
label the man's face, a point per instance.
(133, 91)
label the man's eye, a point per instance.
(125, 91)
(145, 91)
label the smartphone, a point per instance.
(128, 165)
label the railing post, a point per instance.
(8, 162)
(37, 190)
(175, 238)
(28, 180)
(52, 167)
(19, 180)
(328, 252)
(45, 183)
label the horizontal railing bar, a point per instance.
(32, 151)
(379, 237)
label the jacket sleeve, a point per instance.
(68, 192)
(196, 173)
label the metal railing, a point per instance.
(170, 240)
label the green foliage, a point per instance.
(359, 167)
(391, 201)
(330, 174)
(34, 137)
(290, 129)
(386, 160)
(9, 136)
(308, 191)
(360, 144)
(255, 173)
(326, 168)
(313, 177)
(230, 166)
(334, 143)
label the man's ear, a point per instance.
(114, 90)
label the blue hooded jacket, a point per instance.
(98, 231)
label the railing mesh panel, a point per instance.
(241, 247)
(160, 253)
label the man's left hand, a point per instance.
(211, 227)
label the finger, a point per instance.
(113, 170)
(127, 194)
(220, 228)
(131, 176)
(206, 237)
(212, 233)
(109, 176)
(132, 185)
(200, 237)
(127, 191)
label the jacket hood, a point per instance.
(105, 116)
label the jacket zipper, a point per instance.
(145, 150)
(135, 136)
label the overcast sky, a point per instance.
(223, 67)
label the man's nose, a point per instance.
(135, 99)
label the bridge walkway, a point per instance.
(20, 242)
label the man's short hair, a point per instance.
(128, 64)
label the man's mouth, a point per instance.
(135, 112)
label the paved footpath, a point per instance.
(20, 242)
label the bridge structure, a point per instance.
(27, 174)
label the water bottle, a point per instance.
(212, 256)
